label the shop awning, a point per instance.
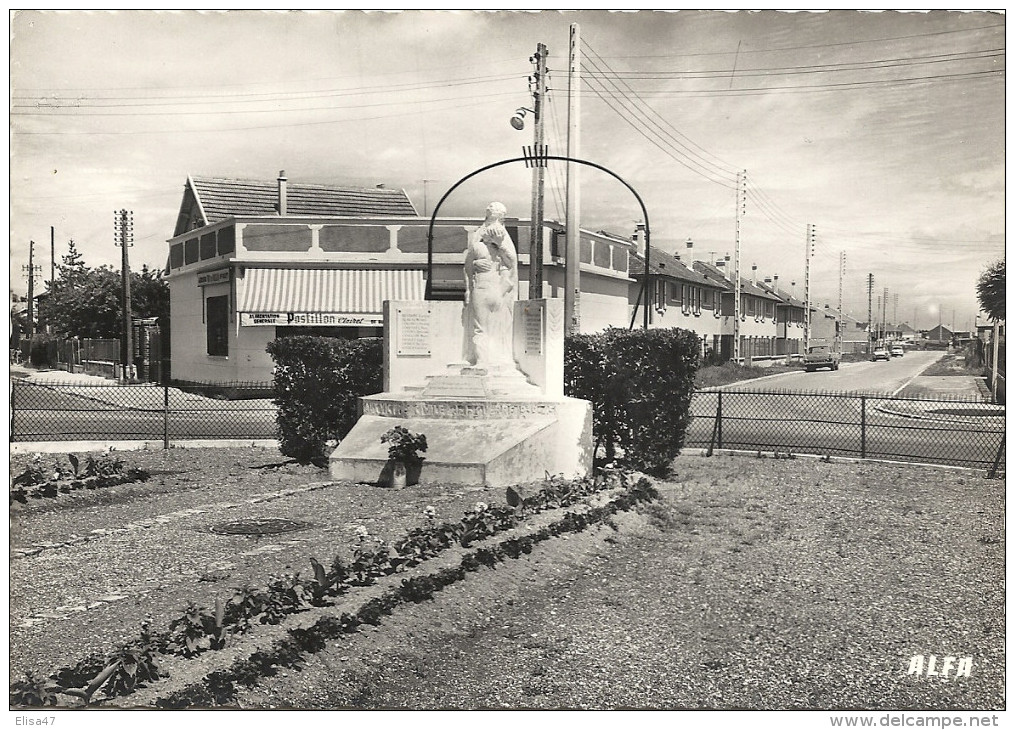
(326, 290)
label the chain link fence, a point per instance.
(145, 411)
(959, 431)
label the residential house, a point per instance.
(679, 297)
(789, 317)
(758, 328)
(938, 334)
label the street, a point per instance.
(851, 412)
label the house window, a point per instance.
(660, 294)
(750, 306)
(674, 292)
(697, 300)
(217, 322)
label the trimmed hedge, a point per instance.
(640, 383)
(317, 383)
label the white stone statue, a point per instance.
(491, 281)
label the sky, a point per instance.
(883, 130)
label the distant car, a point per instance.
(897, 351)
(821, 356)
(880, 353)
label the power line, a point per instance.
(731, 170)
(46, 102)
(178, 131)
(848, 66)
(810, 88)
(399, 102)
(606, 96)
(683, 155)
(820, 45)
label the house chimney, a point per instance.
(282, 195)
(690, 250)
(775, 281)
(768, 279)
(754, 274)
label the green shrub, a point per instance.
(640, 383)
(317, 382)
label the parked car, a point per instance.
(880, 353)
(821, 356)
(897, 351)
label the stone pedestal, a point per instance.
(492, 427)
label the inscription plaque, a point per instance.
(533, 330)
(412, 332)
(455, 386)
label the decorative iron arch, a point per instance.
(642, 295)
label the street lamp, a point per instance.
(518, 120)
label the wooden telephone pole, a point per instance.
(124, 238)
(572, 272)
(538, 176)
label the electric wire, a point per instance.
(45, 102)
(684, 141)
(634, 119)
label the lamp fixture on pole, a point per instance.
(518, 120)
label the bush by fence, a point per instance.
(640, 383)
(318, 381)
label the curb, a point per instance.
(69, 447)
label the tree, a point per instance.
(85, 302)
(990, 290)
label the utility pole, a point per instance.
(870, 323)
(572, 272)
(741, 212)
(895, 309)
(52, 257)
(808, 255)
(884, 314)
(838, 324)
(538, 176)
(31, 270)
(123, 233)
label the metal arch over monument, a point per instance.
(539, 159)
(482, 379)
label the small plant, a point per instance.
(33, 692)
(404, 446)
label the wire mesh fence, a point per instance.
(955, 431)
(144, 411)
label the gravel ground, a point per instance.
(155, 551)
(757, 583)
(790, 584)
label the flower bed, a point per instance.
(202, 629)
(36, 482)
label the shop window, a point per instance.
(217, 322)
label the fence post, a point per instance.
(863, 427)
(14, 411)
(718, 419)
(992, 474)
(715, 426)
(165, 413)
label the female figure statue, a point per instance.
(491, 278)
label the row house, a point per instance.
(758, 327)
(679, 297)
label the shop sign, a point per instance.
(310, 319)
(217, 276)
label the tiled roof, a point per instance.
(710, 271)
(667, 265)
(222, 198)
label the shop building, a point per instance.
(254, 260)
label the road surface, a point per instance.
(823, 413)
